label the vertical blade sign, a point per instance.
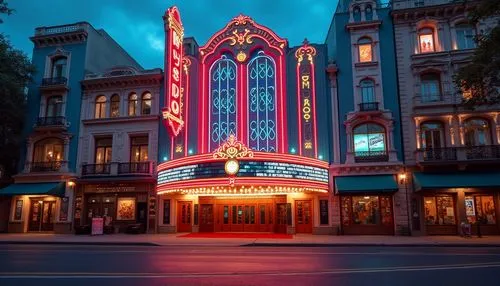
(172, 113)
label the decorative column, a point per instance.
(332, 73)
(65, 167)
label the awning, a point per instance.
(55, 189)
(366, 184)
(456, 180)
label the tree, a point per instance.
(15, 74)
(480, 79)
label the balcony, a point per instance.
(407, 4)
(96, 169)
(439, 154)
(452, 155)
(54, 83)
(51, 122)
(368, 106)
(118, 169)
(134, 168)
(53, 166)
(490, 152)
(371, 156)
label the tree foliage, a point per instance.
(15, 73)
(480, 79)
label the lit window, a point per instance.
(426, 40)
(115, 105)
(477, 132)
(146, 103)
(139, 149)
(365, 50)
(48, 150)
(465, 36)
(430, 87)
(481, 209)
(369, 141)
(132, 104)
(431, 135)
(100, 107)
(367, 210)
(439, 210)
(103, 150)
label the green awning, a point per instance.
(55, 189)
(366, 184)
(456, 180)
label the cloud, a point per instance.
(155, 42)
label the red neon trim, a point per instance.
(172, 147)
(299, 105)
(314, 110)
(202, 129)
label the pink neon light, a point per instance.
(314, 111)
(186, 106)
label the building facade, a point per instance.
(451, 151)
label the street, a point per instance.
(198, 265)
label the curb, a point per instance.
(257, 244)
(78, 243)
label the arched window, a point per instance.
(477, 132)
(48, 150)
(115, 105)
(54, 106)
(262, 103)
(432, 135)
(367, 91)
(132, 104)
(146, 103)
(430, 87)
(58, 67)
(465, 36)
(369, 142)
(356, 14)
(223, 91)
(426, 40)
(100, 107)
(369, 13)
(365, 52)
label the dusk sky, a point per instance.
(137, 25)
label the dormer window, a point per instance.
(58, 67)
(365, 50)
(369, 13)
(356, 14)
(426, 40)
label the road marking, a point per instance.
(84, 275)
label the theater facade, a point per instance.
(245, 141)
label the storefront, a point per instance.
(39, 207)
(366, 204)
(449, 199)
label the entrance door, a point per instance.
(141, 214)
(303, 216)
(42, 215)
(281, 218)
(184, 217)
(206, 218)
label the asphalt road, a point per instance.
(194, 265)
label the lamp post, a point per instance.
(404, 180)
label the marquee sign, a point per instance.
(306, 100)
(172, 113)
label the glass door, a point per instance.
(303, 216)
(48, 215)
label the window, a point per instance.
(430, 87)
(103, 147)
(367, 91)
(369, 13)
(132, 104)
(426, 40)
(139, 149)
(465, 36)
(54, 106)
(367, 210)
(48, 150)
(477, 132)
(58, 67)
(262, 103)
(365, 50)
(223, 90)
(432, 135)
(357, 14)
(439, 210)
(115, 105)
(480, 208)
(323, 212)
(100, 107)
(146, 103)
(369, 140)
(166, 212)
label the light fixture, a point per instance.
(190, 152)
(165, 158)
(320, 157)
(232, 167)
(292, 150)
(40, 202)
(366, 198)
(71, 184)
(402, 178)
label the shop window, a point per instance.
(166, 212)
(146, 103)
(369, 141)
(323, 212)
(48, 150)
(439, 210)
(59, 67)
(132, 104)
(432, 135)
(465, 36)
(115, 105)
(125, 209)
(426, 40)
(139, 149)
(365, 52)
(100, 107)
(480, 208)
(18, 212)
(430, 87)
(477, 132)
(54, 106)
(367, 210)
(103, 150)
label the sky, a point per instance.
(138, 26)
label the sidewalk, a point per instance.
(297, 240)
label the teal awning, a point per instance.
(456, 180)
(55, 189)
(366, 184)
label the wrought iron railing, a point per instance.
(482, 152)
(54, 81)
(134, 168)
(439, 154)
(52, 166)
(371, 156)
(368, 106)
(96, 169)
(51, 121)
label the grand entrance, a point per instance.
(184, 216)
(42, 215)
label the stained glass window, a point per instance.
(223, 78)
(262, 103)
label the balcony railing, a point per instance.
(482, 152)
(96, 169)
(51, 81)
(134, 168)
(461, 154)
(368, 106)
(51, 121)
(405, 4)
(371, 156)
(439, 154)
(53, 166)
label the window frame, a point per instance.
(142, 146)
(426, 31)
(465, 27)
(146, 97)
(105, 148)
(363, 88)
(114, 106)
(475, 128)
(368, 132)
(365, 42)
(423, 136)
(436, 219)
(54, 64)
(100, 107)
(58, 106)
(425, 95)
(133, 100)
(40, 148)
